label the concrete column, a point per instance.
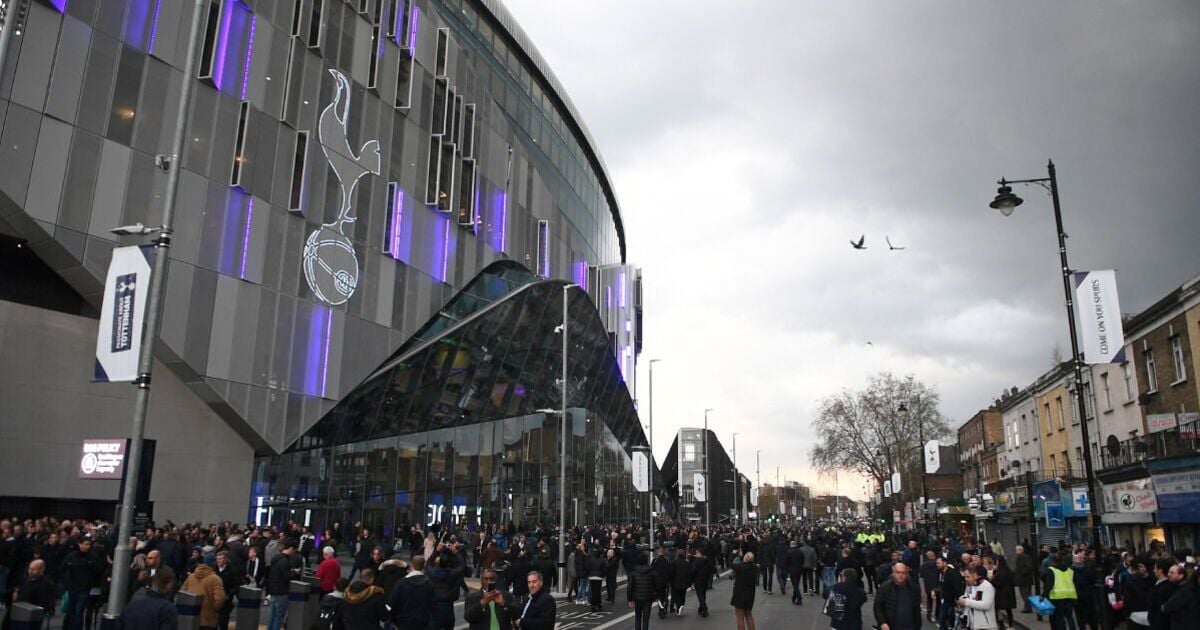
(249, 607)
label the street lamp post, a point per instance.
(1006, 202)
(737, 485)
(652, 362)
(707, 482)
(172, 164)
(758, 482)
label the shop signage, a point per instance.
(1178, 496)
(1156, 422)
(1130, 497)
(122, 314)
(1188, 425)
(102, 459)
(1099, 316)
(1054, 514)
(1080, 505)
(1003, 501)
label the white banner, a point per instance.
(1099, 316)
(887, 488)
(754, 498)
(698, 487)
(933, 456)
(641, 471)
(895, 482)
(123, 314)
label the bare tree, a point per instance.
(877, 431)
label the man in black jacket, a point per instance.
(81, 570)
(279, 576)
(539, 612)
(155, 611)
(640, 592)
(702, 569)
(37, 590)
(661, 567)
(898, 601)
(951, 586)
(488, 602)
(796, 569)
(447, 576)
(412, 600)
(611, 564)
(1162, 591)
(681, 580)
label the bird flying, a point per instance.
(890, 246)
(859, 245)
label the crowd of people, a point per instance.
(412, 578)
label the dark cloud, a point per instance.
(749, 142)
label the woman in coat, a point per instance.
(1002, 580)
(745, 578)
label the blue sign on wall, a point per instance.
(1054, 514)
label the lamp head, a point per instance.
(1005, 200)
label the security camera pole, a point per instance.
(158, 279)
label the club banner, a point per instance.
(933, 456)
(123, 314)
(1099, 316)
(895, 482)
(641, 471)
(698, 487)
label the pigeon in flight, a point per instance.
(859, 245)
(890, 246)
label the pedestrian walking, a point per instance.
(681, 580)
(1024, 575)
(205, 583)
(979, 600)
(702, 569)
(640, 591)
(844, 606)
(745, 574)
(412, 599)
(539, 612)
(898, 601)
(156, 610)
(1058, 582)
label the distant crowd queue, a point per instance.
(411, 578)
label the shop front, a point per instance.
(1177, 485)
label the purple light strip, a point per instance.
(503, 220)
(249, 55)
(246, 236)
(397, 35)
(61, 5)
(312, 370)
(325, 357)
(154, 26)
(397, 218)
(475, 208)
(412, 29)
(222, 44)
(446, 251)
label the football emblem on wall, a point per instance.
(330, 262)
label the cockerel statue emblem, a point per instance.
(330, 262)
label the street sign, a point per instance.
(102, 459)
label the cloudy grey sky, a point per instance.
(750, 141)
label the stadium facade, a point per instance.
(381, 202)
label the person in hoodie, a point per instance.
(681, 579)
(365, 605)
(447, 576)
(640, 591)
(204, 582)
(412, 599)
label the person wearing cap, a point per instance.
(207, 584)
(328, 571)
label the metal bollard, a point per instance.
(188, 606)
(249, 607)
(314, 600)
(25, 616)
(298, 593)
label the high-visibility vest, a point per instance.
(1064, 584)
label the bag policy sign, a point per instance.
(123, 314)
(1099, 316)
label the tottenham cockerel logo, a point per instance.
(330, 262)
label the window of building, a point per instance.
(404, 76)
(1079, 458)
(443, 52)
(1066, 461)
(1151, 377)
(1062, 418)
(1107, 392)
(1053, 464)
(299, 164)
(1127, 374)
(689, 452)
(208, 44)
(239, 145)
(1177, 355)
(314, 27)
(543, 248)
(1049, 420)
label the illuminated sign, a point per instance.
(102, 459)
(330, 262)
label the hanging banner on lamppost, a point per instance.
(641, 471)
(698, 487)
(754, 498)
(887, 488)
(933, 456)
(1099, 315)
(895, 482)
(123, 313)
